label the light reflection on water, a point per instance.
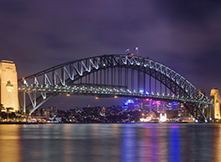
(110, 142)
(10, 143)
(128, 153)
(174, 143)
(216, 150)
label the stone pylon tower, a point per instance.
(8, 85)
(214, 95)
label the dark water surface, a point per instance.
(110, 143)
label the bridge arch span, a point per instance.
(73, 71)
(121, 74)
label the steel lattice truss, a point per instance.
(108, 75)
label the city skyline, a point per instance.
(182, 35)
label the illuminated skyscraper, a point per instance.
(8, 85)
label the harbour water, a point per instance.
(143, 142)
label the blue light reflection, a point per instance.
(128, 152)
(174, 144)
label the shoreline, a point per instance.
(29, 123)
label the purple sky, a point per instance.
(184, 35)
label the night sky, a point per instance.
(184, 35)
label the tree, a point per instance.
(1, 108)
(8, 111)
(18, 115)
(27, 114)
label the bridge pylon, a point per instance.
(214, 111)
(9, 85)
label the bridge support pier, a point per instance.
(35, 100)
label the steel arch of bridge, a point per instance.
(109, 75)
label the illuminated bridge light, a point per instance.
(115, 97)
(96, 98)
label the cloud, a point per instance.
(184, 35)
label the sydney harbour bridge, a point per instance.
(121, 75)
